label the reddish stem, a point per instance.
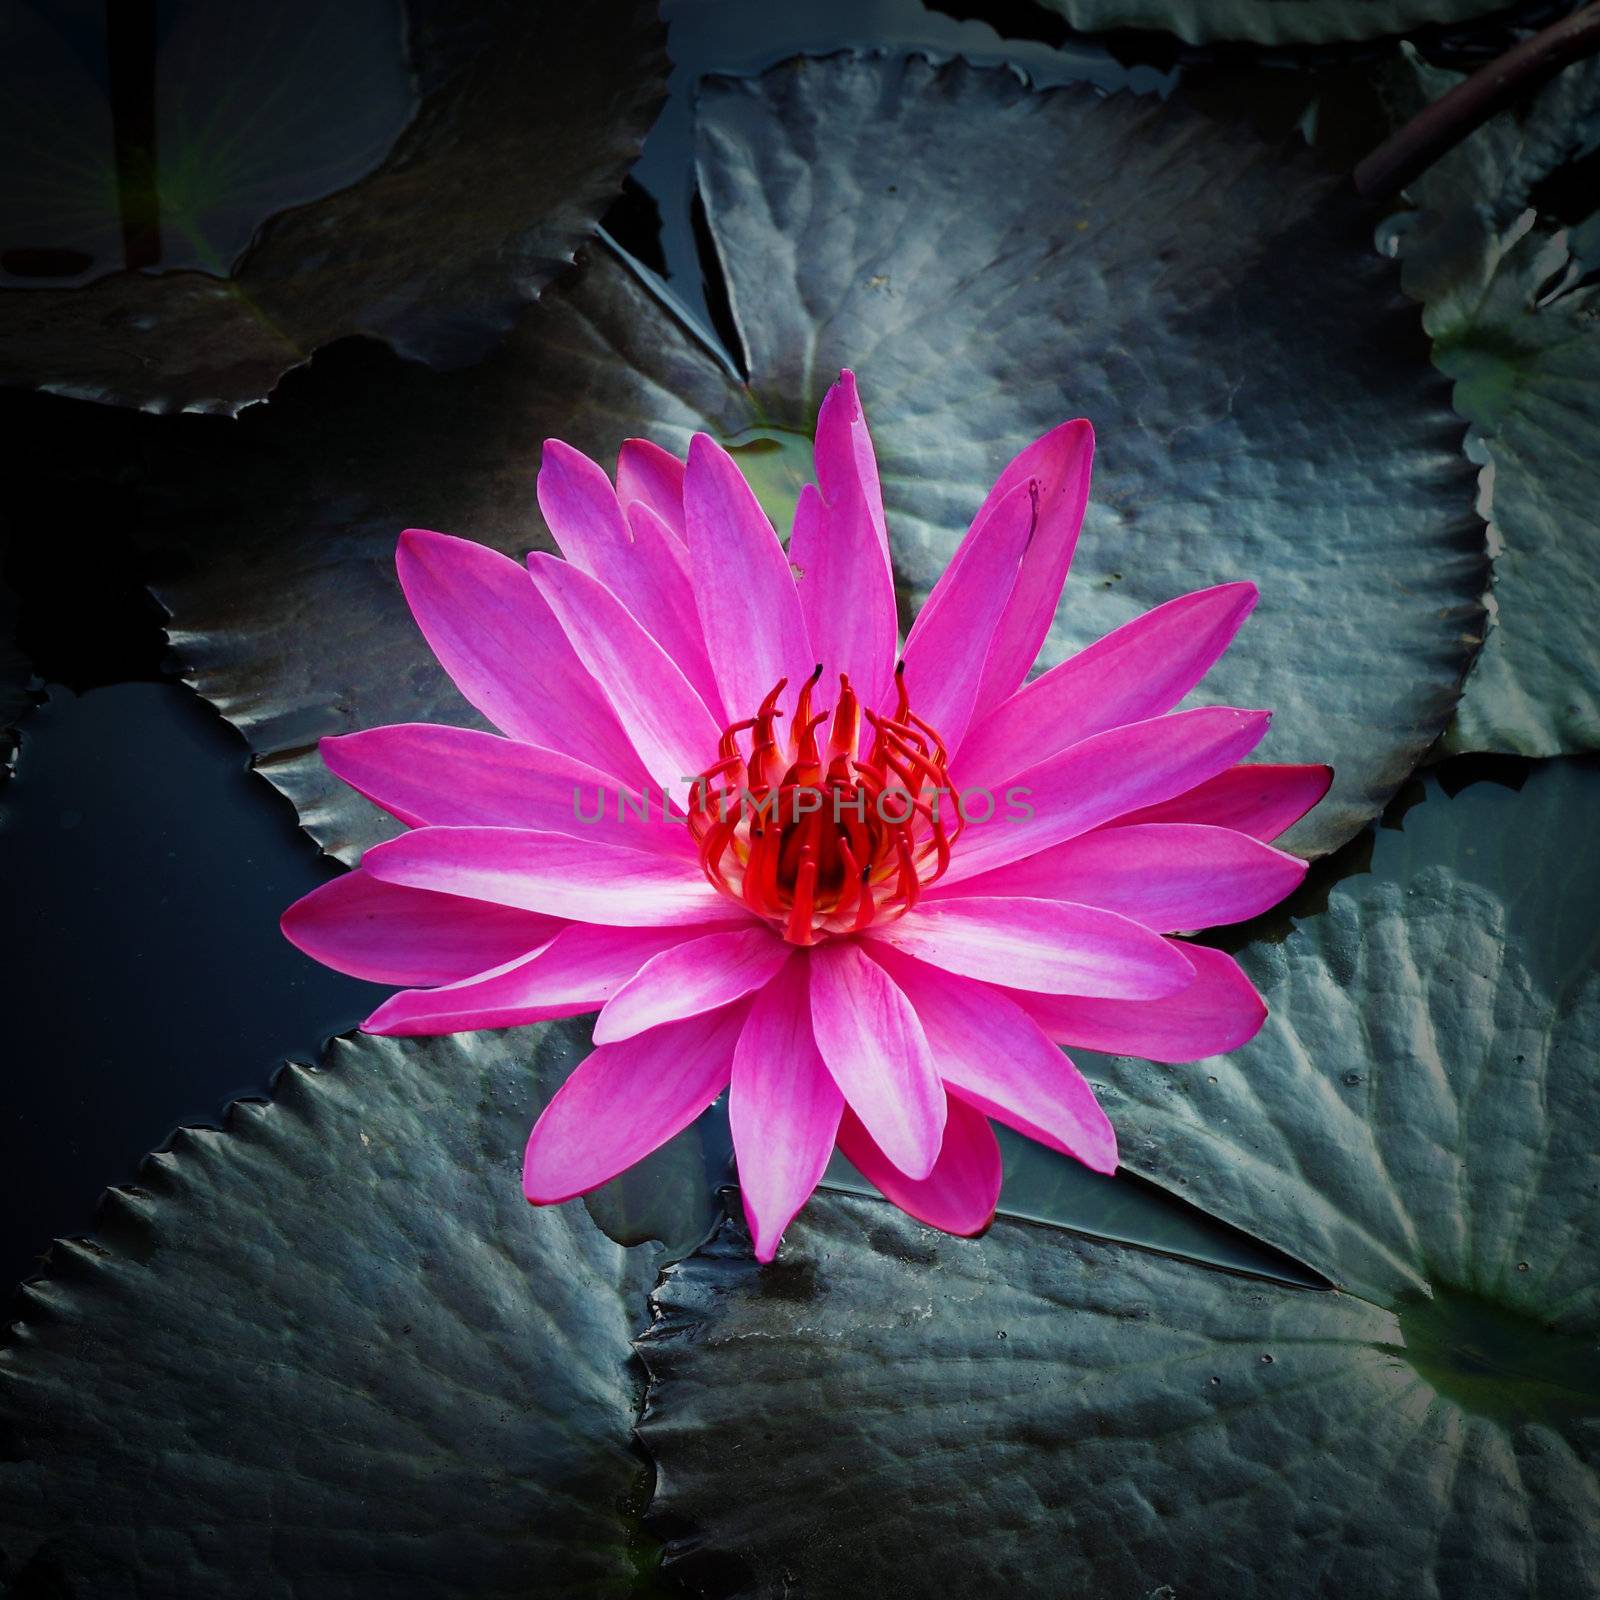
(1443, 125)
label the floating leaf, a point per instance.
(991, 260)
(288, 615)
(1043, 1186)
(1497, 169)
(526, 120)
(1236, 405)
(1515, 325)
(331, 1350)
(1526, 377)
(669, 1198)
(1414, 1121)
(1413, 1113)
(1271, 22)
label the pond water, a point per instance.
(145, 870)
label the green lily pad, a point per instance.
(1415, 1122)
(331, 1350)
(1517, 328)
(1412, 1114)
(1043, 1186)
(278, 538)
(524, 122)
(1232, 400)
(1033, 1413)
(1269, 22)
(1495, 170)
(990, 260)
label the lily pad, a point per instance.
(1269, 22)
(525, 121)
(990, 260)
(1043, 1186)
(1167, 277)
(1413, 1121)
(1517, 326)
(280, 530)
(330, 1350)
(1525, 375)
(1413, 1111)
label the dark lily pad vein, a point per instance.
(1039, 1413)
(990, 260)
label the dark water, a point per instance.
(145, 869)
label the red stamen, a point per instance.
(826, 839)
(846, 728)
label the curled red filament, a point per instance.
(816, 836)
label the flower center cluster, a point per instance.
(819, 838)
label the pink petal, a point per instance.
(1141, 670)
(577, 971)
(1166, 875)
(961, 1191)
(1060, 464)
(1103, 777)
(624, 1100)
(635, 557)
(852, 634)
(744, 591)
(678, 632)
(582, 511)
(873, 1045)
(651, 476)
(1262, 800)
(954, 632)
(424, 773)
(990, 1051)
(666, 721)
(783, 1108)
(1049, 945)
(1218, 1012)
(691, 979)
(839, 551)
(549, 872)
(849, 613)
(843, 451)
(387, 933)
(496, 999)
(505, 652)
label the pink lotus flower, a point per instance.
(890, 883)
